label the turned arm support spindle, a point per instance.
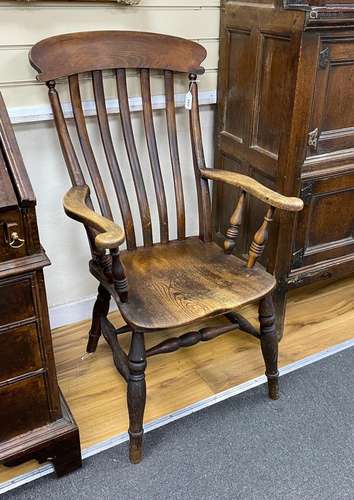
(260, 239)
(235, 223)
(110, 236)
(256, 189)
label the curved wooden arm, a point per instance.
(111, 235)
(255, 188)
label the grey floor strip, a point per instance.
(166, 419)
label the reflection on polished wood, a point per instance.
(317, 318)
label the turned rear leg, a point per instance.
(269, 344)
(100, 309)
(136, 395)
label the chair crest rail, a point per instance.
(101, 50)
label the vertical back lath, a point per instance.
(204, 203)
(133, 156)
(153, 153)
(67, 147)
(175, 161)
(112, 159)
(86, 146)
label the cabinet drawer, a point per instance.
(10, 223)
(23, 407)
(20, 351)
(16, 300)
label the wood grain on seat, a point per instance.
(176, 284)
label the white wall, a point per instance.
(21, 25)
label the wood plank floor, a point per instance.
(317, 318)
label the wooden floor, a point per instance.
(317, 318)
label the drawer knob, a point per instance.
(16, 241)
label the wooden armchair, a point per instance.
(171, 283)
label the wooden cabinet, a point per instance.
(285, 116)
(34, 419)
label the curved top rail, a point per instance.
(72, 53)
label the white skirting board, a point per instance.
(73, 312)
(28, 114)
(166, 419)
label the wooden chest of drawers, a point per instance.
(34, 419)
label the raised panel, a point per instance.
(326, 226)
(332, 114)
(337, 113)
(335, 206)
(273, 94)
(236, 95)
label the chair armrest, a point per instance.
(111, 235)
(254, 188)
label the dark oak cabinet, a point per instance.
(285, 117)
(35, 422)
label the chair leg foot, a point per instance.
(135, 447)
(269, 344)
(136, 396)
(100, 309)
(273, 387)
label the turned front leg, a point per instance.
(269, 344)
(136, 395)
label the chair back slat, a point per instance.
(133, 156)
(153, 154)
(80, 57)
(174, 153)
(204, 203)
(86, 147)
(75, 172)
(112, 159)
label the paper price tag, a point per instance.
(189, 100)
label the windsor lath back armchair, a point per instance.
(167, 284)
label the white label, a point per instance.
(189, 100)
